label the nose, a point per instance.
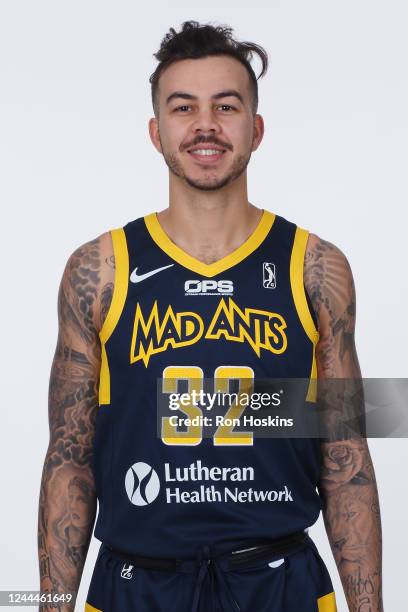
(206, 121)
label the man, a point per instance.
(209, 290)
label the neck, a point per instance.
(209, 225)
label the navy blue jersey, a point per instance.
(163, 491)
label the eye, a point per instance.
(181, 108)
(226, 107)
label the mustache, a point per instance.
(207, 140)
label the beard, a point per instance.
(209, 182)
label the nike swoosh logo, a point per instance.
(137, 278)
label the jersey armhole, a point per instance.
(297, 262)
(120, 285)
(120, 288)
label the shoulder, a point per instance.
(327, 274)
(320, 250)
(328, 280)
(87, 282)
(329, 283)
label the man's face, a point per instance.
(78, 505)
(206, 129)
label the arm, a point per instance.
(67, 497)
(348, 488)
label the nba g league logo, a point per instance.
(269, 275)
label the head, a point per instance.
(353, 518)
(79, 495)
(205, 96)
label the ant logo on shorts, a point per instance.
(127, 572)
(269, 275)
(142, 484)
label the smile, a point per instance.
(207, 155)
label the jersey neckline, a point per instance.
(188, 261)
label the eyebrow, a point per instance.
(222, 94)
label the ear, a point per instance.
(259, 130)
(154, 133)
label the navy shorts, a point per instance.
(298, 582)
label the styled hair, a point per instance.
(195, 41)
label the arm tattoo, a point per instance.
(67, 496)
(106, 299)
(110, 261)
(324, 268)
(107, 292)
(353, 523)
(347, 484)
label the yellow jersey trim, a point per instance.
(104, 378)
(296, 281)
(120, 286)
(297, 262)
(188, 261)
(327, 603)
(312, 389)
(120, 289)
(89, 608)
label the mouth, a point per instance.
(206, 154)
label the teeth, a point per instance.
(206, 151)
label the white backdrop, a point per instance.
(75, 160)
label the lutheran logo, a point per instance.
(198, 483)
(142, 484)
(269, 275)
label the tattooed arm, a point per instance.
(67, 497)
(351, 510)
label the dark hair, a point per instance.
(196, 41)
(82, 485)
